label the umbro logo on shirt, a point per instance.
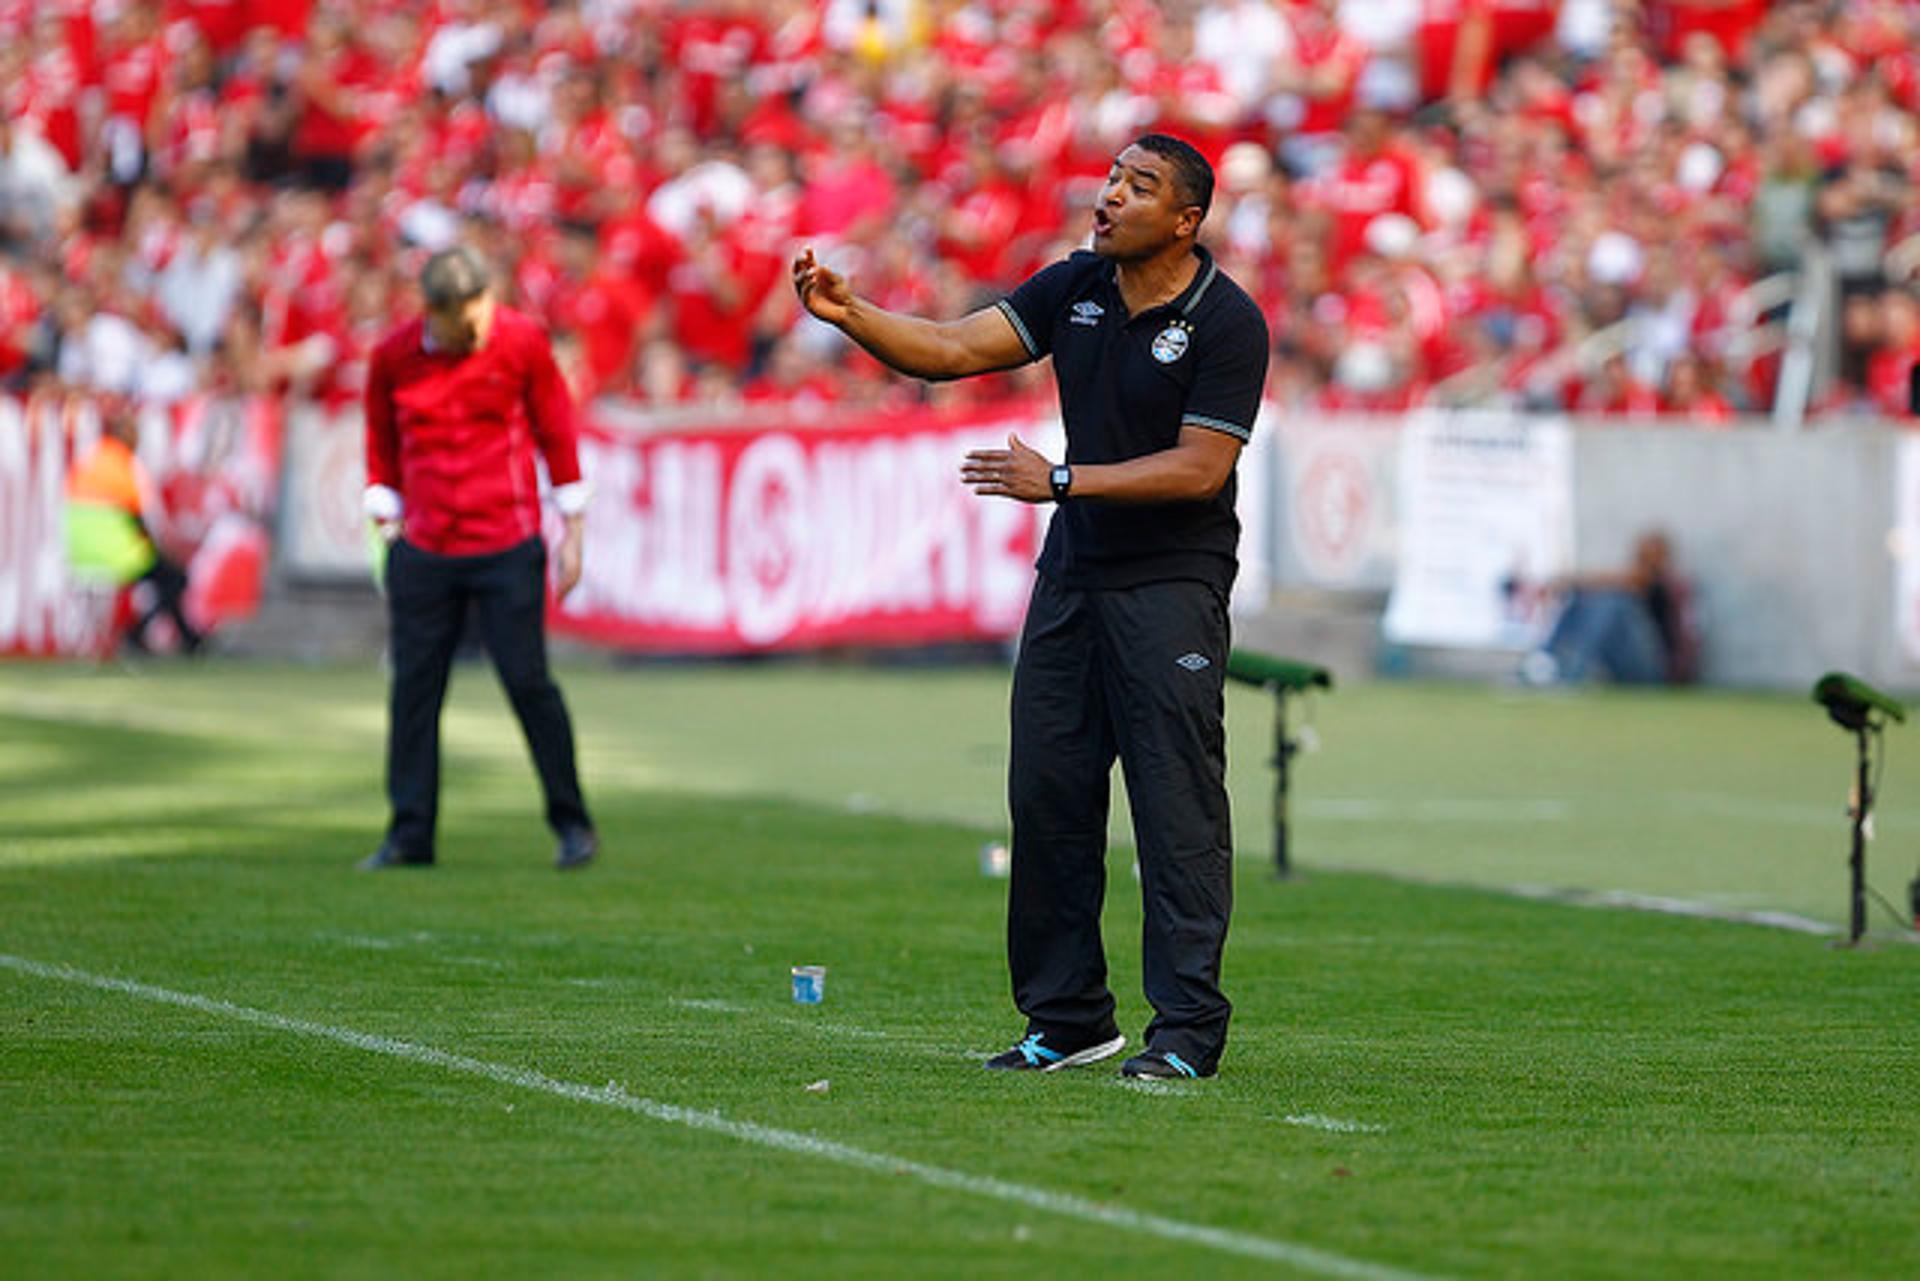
(1087, 313)
(1193, 662)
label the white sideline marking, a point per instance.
(1334, 1124)
(1436, 810)
(1672, 907)
(612, 1095)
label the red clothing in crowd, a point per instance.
(49, 93)
(606, 312)
(335, 124)
(1888, 373)
(19, 309)
(1511, 26)
(1707, 407)
(1320, 46)
(711, 49)
(1728, 21)
(1360, 190)
(222, 23)
(716, 290)
(452, 439)
(131, 75)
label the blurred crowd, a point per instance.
(1586, 204)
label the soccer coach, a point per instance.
(1160, 361)
(460, 401)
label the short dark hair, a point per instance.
(1191, 172)
(453, 277)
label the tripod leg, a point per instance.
(1282, 751)
(1863, 801)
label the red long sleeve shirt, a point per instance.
(452, 438)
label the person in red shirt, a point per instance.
(49, 89)
(717, 289)
(1616, 393)
(1890, 367)
(1321, 78)
(462, 403)
(132, 72)
(328, 88)
(600, 306)
(1373, 178)
(1462, 43)
(1693, 393)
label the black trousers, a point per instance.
(1136, 674)
(169, 583)
(427, 603)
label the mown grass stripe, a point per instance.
(612, 1095)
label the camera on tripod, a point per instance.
(1851, 702)
(1862, 711)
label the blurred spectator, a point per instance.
(1615, 392)
(108, 537)
(201, 282)
(35, 187)
(1693, 392)
(1631, 627)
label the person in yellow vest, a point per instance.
(108, 542)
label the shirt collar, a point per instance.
(1187, 299)
(1202, 280)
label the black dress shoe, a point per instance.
(577, 847)
(391, 855)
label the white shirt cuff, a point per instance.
(572, 498)
(381, 502)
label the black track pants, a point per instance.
(1136, 674)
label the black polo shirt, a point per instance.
(1127, 386)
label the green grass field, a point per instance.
(228, 1054)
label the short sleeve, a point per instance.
(1231, 377)
(1032, 307)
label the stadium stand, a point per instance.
(1586, 204)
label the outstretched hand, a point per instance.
(1018, 471)
(822, 291)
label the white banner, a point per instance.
(322, 529)
(41, 612)
(1253, 504)
(1336, 489)
(1486, 515)
(1906, 548)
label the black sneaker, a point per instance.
(1035, 1054)
(577, 847)
(391, 855)
(1161, 1065)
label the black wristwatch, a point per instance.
(1061, 478)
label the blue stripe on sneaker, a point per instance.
(1034, 1052)
(1174, 1060)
